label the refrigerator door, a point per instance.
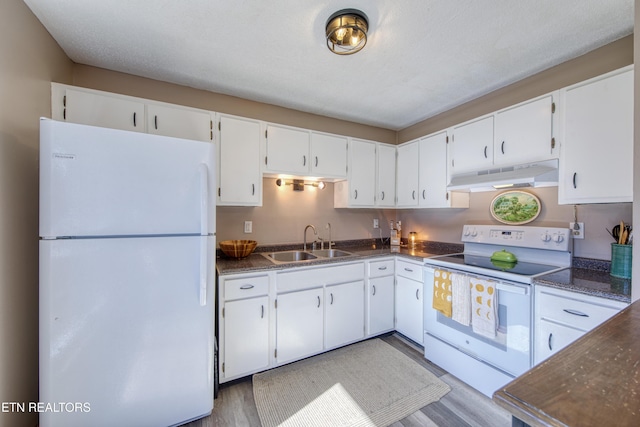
(107, 182)
(123, 331)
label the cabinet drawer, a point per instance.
(246, 287)
(316, 277)
(381, 268)
(575, 310)
(409, 270)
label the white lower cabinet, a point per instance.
(409, 300)
(562, 316)
(317, 309)
(344, 314)
(299, 319)
(244, 322)
(247, 336)
(380, 296)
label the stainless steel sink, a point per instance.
(331, 253)
(301, 256)
(290, 256)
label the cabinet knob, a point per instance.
(502, 147)
(374, 289)
(485, 151)
(382, 198)
(574, 179)
(549, 342)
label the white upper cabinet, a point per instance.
(433, 171)
(287, 150)
(407, 175)
(360, 187)
(371, 180)
(524, 133)
(434, 175)
(472, 145)
(240, 179)
(328, 155)
(179, 122)
(516, 135)
(301, 152)
(103, 111)
(596, 159)
(386, 175)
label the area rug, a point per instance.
(365, 384)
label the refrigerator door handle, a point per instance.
(204, 200)
(203, 270)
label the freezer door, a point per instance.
(123, 330)
(105, 182)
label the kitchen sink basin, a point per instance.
(301, 256)
(331, 253)
(291, 256)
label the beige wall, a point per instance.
(283, 216)
(610, 57)
(30, 61)
(111, 81)
(285, 213)
(445, 225)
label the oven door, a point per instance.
(510, 350)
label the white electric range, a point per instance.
(487, 363)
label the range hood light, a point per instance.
(539, 174)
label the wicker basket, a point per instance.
(238, 248)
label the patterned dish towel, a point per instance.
(484, 318)
(461, 298)
(442, 292)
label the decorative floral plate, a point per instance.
(515, 207)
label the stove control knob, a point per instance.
(558, 238)
(466, 231)
(545, 237)
(474, 233)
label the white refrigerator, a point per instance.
(127, 241)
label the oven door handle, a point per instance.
(520, 290)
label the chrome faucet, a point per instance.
(315, 232)
(329, 227)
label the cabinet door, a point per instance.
(472, 146)
(344, 313)
(381, 305)
(362, 175)
(386, 177)
(104, 111)
(433, 171)
(407, 183)
(240, 177)
(409, 295)
(287, 150)
(328, 155)
(524, 132)
(552, 337)
(179, 122)
(246, 336)
(300, 322)
(596, 161)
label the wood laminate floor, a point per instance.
(461, 407)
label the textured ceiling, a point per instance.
(422, 57)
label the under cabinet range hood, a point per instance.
(538, 174)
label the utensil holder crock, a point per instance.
(621, 260)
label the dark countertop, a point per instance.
(590, 282)
(257, 262)
(593, 382)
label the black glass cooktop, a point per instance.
(519, 268)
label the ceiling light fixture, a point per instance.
(347, 31)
